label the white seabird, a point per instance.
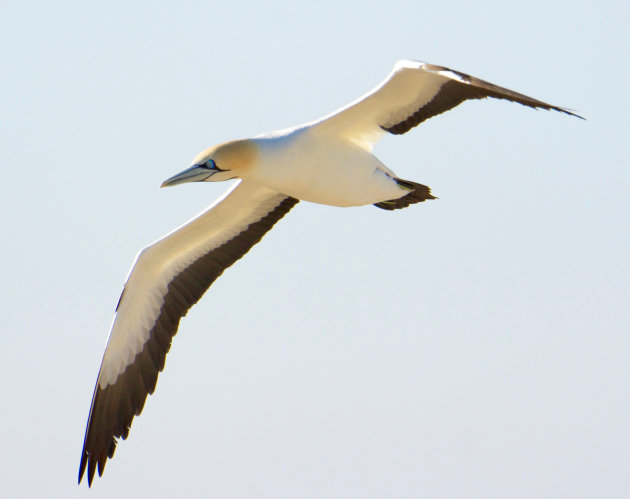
(327, 161)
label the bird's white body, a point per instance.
(328, 161)
(314, 167)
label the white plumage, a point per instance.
(327, 161)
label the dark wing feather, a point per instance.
(455, 91)
(412, 93)
(114, 407)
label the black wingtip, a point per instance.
(82, 466)
(571, 113)
(564, 110)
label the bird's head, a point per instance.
(215, 164)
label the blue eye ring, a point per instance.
(211, 165)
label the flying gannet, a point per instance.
(328, 161)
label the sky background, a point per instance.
(475, 346)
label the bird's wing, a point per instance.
(412, 93)
(168, 278)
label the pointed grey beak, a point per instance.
(196, 173)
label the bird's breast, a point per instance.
(335, 173)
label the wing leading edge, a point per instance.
(412, 93)
(167, 279)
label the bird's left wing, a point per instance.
(168, 278)
(412, 93)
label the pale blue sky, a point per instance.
(474, 346)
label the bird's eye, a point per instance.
(210, 164)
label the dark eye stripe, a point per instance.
(213, 166)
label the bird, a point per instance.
(327, 161)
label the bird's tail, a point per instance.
(417, 194)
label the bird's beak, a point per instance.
(196, 173)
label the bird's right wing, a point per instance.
(168, 278)
(412, 93)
